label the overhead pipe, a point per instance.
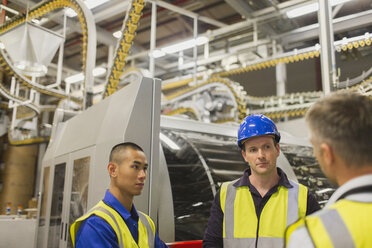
(354, 20)
(327, 55)
(188, 13)
(153, 39)
(195, 48)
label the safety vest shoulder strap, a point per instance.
(297, 202)
(292, 228)
(344, 224)
(148, 224)
(108, 214)
(227, 198)
(146, 227)
(225, 187)
(327, 227)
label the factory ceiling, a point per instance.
(251, 22)
(239, 45)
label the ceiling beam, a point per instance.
(340, 24)
(243, 8)
(188, 13)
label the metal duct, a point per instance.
(31, 48)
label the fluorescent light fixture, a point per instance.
(36, 21)
(98, 71)
(303, 10)
(309, 8)
(91, 4)
(158, 53)
(75, 78)
(169, 142)
(39, 22)
(337, 2)
(117, 34)
(187, 44)
(2, 46)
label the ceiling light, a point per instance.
(75, 78)
(2, 46)
(172, 145)
(39, 21)
(187, 44)
(309, 8)
(117, 34)
(91, 4)
(201, 40)
(158, 53)
(98, 71)
(306, 9)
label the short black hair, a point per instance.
(121, 147)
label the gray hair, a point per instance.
(344, 121)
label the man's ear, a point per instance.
(278, 148)
(327, 154)
(112, 169)
(243, 154)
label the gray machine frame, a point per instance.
(131, 114)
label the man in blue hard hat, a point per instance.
(255, 210)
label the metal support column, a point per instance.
(91, 55)
(280, 74)
(281, 78)
(195, 56)
(60, 56)
(327, 55)
(110, 56)
(152, 39)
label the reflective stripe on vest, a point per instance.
(345, 224)
(146, 228)
(336, 228)
(281, 210)
(150, 228)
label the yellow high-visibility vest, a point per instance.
(346, 223)
(146, 227)
(241, 227)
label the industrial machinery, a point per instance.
(188, 162)
(74, 166)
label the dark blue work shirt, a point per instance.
(96, 232)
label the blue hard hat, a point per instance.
(256, 125)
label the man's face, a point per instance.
(261, 154)
(319, 156)
(132, 172)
